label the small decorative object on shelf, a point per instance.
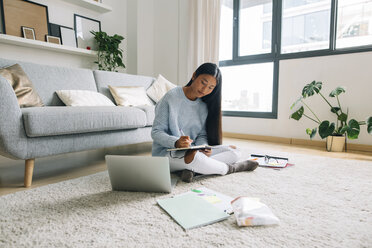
(28, 33)
(110, 55)
(334, 132)
(53, 39)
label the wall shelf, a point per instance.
(92, 5)
(18, 41)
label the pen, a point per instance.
(182, 132)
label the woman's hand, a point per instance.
(183, 141)
(207, 152)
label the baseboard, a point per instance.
(294, 141)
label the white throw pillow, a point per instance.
(159, 88)
(129, 96)
(83, 98)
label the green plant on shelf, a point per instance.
(326, 128)
(110, 55)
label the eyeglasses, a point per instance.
(270, 160)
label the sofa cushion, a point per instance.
(130, 96)
(150, 113)
(83, 98)
(49, 121)
(48, 79)
(106, 78)
(22, 86)
(159, 88)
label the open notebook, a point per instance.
(270, 161)
(191, 148)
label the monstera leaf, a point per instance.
(298, 109)
(337, 91)
(342, 117)
(352, 129)
(311, 88)
(335, 109)
(297, 103)
(311, 132)
(326, 129)
(298, 113)
(369, 125)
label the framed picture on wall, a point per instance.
(83, 26)
(28, 33)
(17, 14)
(68, 37)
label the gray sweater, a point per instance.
(173, 113)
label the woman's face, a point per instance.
(203, 85)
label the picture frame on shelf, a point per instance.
(28, 33)
(68, 36)
(2, 23)
(53, 39)
(83, 25)
(54, 30)
(18, 14)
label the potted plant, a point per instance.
(333, 131)
(110, 55)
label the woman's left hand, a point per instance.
(207, 152)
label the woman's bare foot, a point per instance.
(232, 146)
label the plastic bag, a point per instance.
(250, 212)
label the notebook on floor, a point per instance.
(191, 211)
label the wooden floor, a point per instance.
(101, 166)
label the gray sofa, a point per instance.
(29, 133)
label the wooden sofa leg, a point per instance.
(29, 170)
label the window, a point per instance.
(354, 23)
(305, 25)
(226, 30)
(254, 27)
(249, 87)
(257, 34)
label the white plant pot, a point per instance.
(335, 143)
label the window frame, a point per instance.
(276, 56)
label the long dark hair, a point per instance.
(213, 101)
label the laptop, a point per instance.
(139, 173)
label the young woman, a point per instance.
(191, 115)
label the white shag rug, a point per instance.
(321, 202)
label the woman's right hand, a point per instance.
(183, 141)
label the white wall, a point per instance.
(145, 38)
(131, 39)
(161, 38)
(62, 13)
